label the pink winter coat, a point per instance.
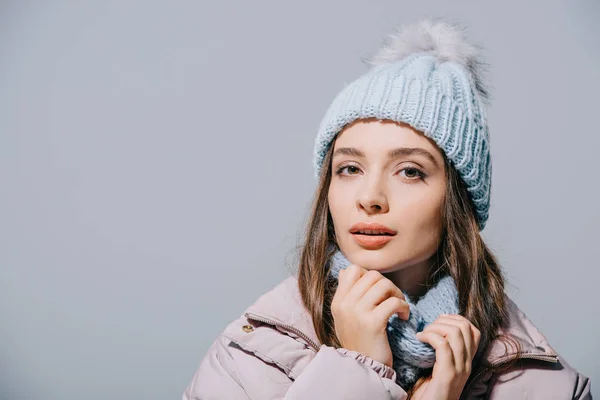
(272, 352)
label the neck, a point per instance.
(412, 280)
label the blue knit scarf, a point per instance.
(412, 357)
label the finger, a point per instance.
(390, 306)
(379, 292)
(454, 336)
(476, 332)
(465, 327)
(443, 352)
(347, 278)
(470, 332)
(368, 279)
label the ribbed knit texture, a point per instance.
(436, 95)
(411, 356)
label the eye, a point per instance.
(412, 173)
(350, 169)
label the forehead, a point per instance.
(373, 136)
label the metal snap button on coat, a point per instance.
(247, 328)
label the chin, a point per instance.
(382, 260)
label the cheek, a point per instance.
(340, 208)
(339, 200)
(422, 232)
(421, 212)
(332, 202)
(335, 206)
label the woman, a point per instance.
(397, 296)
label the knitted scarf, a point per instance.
(412, 357)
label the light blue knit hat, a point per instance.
(429, 76)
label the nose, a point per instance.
(372, 197)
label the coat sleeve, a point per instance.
(541, 381)
(229, 372)
(344, 374)
(216, 377)
(583, 388)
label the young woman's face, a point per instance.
(392, 175)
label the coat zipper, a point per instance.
(497, 363)
(290, 328)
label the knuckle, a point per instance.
(334, 305)
(451, 376)
(372, 274)
(351, 269)
(335, 314)
(339, 308)
(388, 285)
(458, 332)
(396, 302)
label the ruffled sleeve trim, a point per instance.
(382, 370)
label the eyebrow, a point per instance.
(394, 153)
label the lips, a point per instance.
(372, 235)
(371, 228)
(372, 232)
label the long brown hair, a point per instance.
(462, 254)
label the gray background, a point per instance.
(155, 167)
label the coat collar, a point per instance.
(282, 307)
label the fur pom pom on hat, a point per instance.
(427, 75)
(448, 42)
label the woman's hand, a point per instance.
(361, 307)
(455, 341)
